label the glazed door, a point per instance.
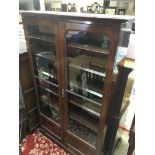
(44, 53)
(86, 85)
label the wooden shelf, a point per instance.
(47, 55)
(85, 108)
(89, 48)
(87, 70)
(41, 50)
(32, 109)
(90, 89)
(48, 75)
(51, 104)
(47, 112)
(28, 91)
(84, 121)
(49, 119)
(53, 84)
(43, 38)
(54, 93)
(36, 49)
(85, 98)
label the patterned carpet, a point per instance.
(38, 144)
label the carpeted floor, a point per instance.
(38, 144)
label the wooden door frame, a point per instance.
(54, 25)
(113, 33)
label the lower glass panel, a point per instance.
(90, 107)
(51, 113)
(83, 124)
(82, 132)
(49, 105)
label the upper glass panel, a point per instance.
(42, 40)
(41, 32)
(87, 57)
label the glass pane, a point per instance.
(49, 104)
(41, 32)
(87, 56)
(42, 40)
(43, 49)
(82, 132)
(46, 66)
(86, 105)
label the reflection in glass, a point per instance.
(43, 49)
(87, 56)
(82, 132)
(46, 66)
(49, 104)
(41, 32)
(42, 40)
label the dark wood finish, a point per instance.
(60, 24)
(33, 119)
(54, 27)
(24, 72)
(82, 120)
(63, 81)
(97, 19)
(50, 125)
(85, 108)
(113, 34)
(116, 111)
(30, 100)
(88, 48)
(75, 94)
(88, 70)
(28, 93)
(41, 38)
(82, 146)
